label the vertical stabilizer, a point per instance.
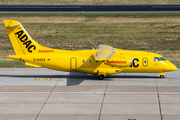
(20, 39)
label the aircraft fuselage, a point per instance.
(83, 61)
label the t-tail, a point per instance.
(22, 42)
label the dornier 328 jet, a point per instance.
(103, 61)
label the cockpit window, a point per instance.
(159, 59)
(162, 58)
(156, 59)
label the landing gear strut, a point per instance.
(101, 77)
(161, 76)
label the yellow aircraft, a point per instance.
(103, 61)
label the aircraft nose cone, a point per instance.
(173, 68)
(169, 66)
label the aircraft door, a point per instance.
(145, 62)
(73, 63)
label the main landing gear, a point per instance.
(101, 77)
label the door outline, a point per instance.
(146, 61)
(73, 61)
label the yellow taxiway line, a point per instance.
(43, 79)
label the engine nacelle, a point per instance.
(119, 62)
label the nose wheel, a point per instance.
(161, 76)
(101, 77)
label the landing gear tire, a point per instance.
(161, 76)
(101, 77)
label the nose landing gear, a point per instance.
(161, 75)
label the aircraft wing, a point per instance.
(105, 52)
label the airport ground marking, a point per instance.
(43, 79)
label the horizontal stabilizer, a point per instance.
(11, 23)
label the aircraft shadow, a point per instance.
(77, 78)
(132, 76)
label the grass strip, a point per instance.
(12, 64)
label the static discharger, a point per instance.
(43, 79)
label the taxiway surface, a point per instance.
(43, 94)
